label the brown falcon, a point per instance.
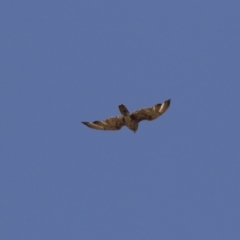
(130, 120)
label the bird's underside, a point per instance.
(130, 120)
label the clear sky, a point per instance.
(63, 62)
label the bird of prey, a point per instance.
(130, 120)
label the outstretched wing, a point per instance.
(152, 112)
(112, 123)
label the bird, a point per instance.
(130, 120)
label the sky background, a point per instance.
(63, 62)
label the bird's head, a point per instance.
(134, 127)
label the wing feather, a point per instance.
(112, 123)
(152, 112)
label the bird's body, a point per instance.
(130, 120)
(131, 123)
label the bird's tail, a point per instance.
(123, 110)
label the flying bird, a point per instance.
(130, 120)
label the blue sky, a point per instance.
(63, 62)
